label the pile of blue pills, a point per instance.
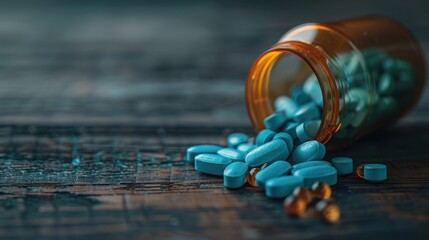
(285, 165)
(282, 157)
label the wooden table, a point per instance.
(99, 101)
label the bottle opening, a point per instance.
(294, 90)
(294, 84)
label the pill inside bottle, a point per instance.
(349, 77)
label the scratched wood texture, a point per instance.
(99, 100)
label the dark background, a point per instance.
(79, 61)
(99, 100)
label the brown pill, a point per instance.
(251, 176)
(304, 193)
(321, 190)
(328, 211)
(294, 206)
(359, 170)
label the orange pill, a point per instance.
(304, 193)
(328, 211)
(251, 176)
(294, 206)
(321, 190)
(359, 170)
(264, 165)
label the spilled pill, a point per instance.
(312, 163)
(231, 153)
(294, 206)
(267, 153)
(276, 169)
(344, 165)
(375, 172)
(264, 136)
(322, 173)
(211, 163)
(251, 176)
(307, 130)
(234, 175)
(236, 139)
(287, 138)
(321, 190)
(307, 151)
(282, 187)
(245, 147)
(193, 151)
(290, 129)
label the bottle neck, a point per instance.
(261, 81)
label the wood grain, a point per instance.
(126, 87)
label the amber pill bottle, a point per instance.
(370, 70)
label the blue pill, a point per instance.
(246, 147)
(291, 129)
(286, 105)
(312, 88)
(193, 151)
(211, 163)
(299, 96)
(287, 138)
(307, 151)
(312, 163)
(375, 172)
(322, 173)
(234, 175)
(282, 187)
(264, 136)
(276, 169)
(236, 139)
(232, 153)
(275, 121)
(307, 112)
(307, 130)
(344, 165)
(267, 153)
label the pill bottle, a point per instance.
(370, 72)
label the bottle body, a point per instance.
(362, 73)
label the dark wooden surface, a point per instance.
(125, 87)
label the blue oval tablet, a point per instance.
(306, 112)
(267, 153)
(285, 104)
(344, 165)
(287, 138)
(307, 130)
(311, 163)
(275, 121)
(234, 175)
(312, 88)
(246, 147)
(322, 173)
(291, 129)
(264, 136)
(231, 153)
(211, 163)
(282, 187)
(276, 169)
(299, 96)
(307, 151)
(375, 172)
(235, 139)
(193, 151)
